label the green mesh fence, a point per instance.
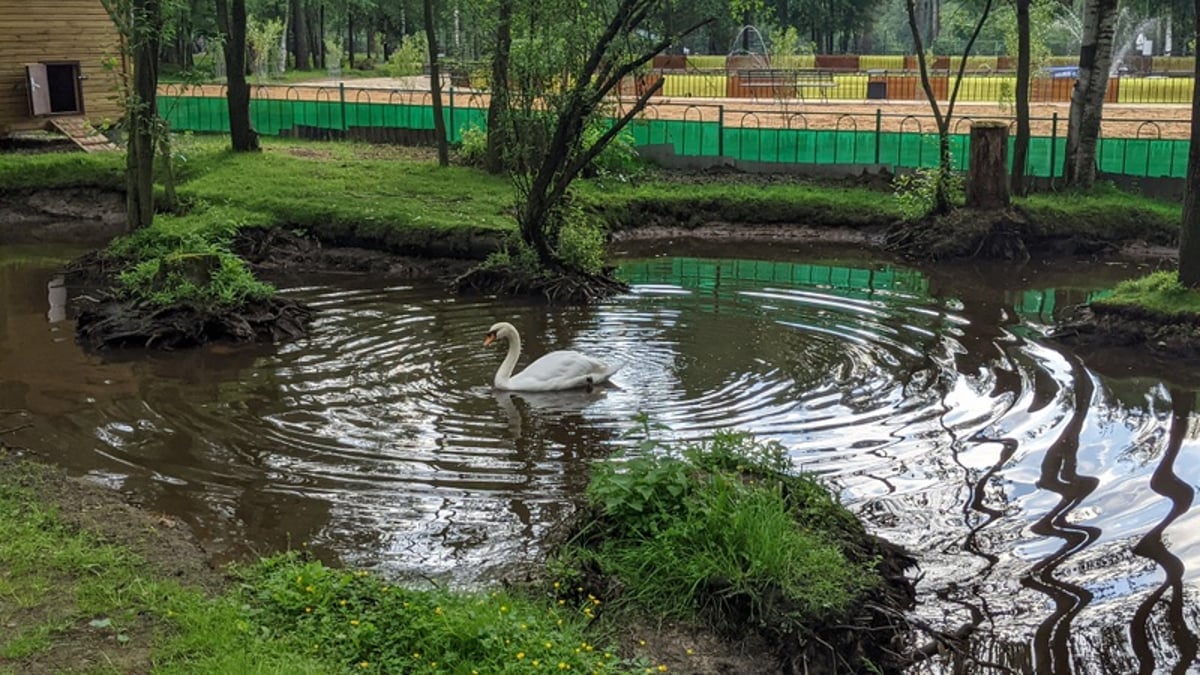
(711, 275)
(1144, 157)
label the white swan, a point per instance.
(553, 372)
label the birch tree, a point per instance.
(1087, 101)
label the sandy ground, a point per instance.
(1121, 120)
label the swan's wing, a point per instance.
(562, 370)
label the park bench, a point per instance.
(778, 83)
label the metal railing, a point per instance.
(777, 132)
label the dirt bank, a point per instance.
(75, 214)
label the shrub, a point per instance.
(409, 58)
(916, 191)
(472, 150)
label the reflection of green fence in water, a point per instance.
(1039, 305)
(711, 276)
(704, 131)
(715, 276)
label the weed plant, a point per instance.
(721, 531)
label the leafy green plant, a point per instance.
(409, 58)
(581, 239)
(472, 148)
(916, 192)
(618, 159)
(1159, 293)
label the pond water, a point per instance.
(1056, 499)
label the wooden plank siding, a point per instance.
(34, 31)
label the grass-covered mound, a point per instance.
(1155, 313)
(178, 284)
(725, 534)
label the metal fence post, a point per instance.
(721, 131)
(342, 97)
(1053, 145)
(878, 131)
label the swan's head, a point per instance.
(499, 331)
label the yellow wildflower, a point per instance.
(363, 664)
(520, 655)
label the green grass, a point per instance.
(723, 532)
(1159, 293)
(628, 206)
(285, 614)
(1104, 212)
(68, 169)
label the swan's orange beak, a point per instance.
(491, 337)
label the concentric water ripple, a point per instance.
(1056, 499)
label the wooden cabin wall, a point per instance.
(56, 30)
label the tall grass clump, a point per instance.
(722, 531)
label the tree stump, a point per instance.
(987, 176)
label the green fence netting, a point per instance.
(1143, 157)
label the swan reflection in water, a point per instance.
(523, 409)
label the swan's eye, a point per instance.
(492, 334)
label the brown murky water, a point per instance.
(1056, 499)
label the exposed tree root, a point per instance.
(963, 233)
(114, 323)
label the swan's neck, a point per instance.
(510, 361)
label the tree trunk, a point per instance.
(321, 36)
(987, 174)
(143, 113)
(371, 38)
(435, 86)
(494, 160)
(300, 48)
(1087, 101)
(350, 38)
(232, 19)
(1189, 235)
(1021, 145)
